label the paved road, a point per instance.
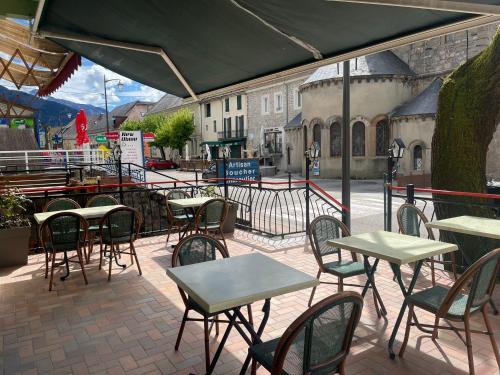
(367, 200)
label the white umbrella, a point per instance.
(262, 141)
(187, 151)
(209, 154)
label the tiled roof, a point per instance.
(168, 101)
(382, 63)
(424, 103)
(296, 122)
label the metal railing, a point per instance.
(27, 159)
(263, 207)
(232, 133)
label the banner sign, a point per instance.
(245, 169)
(131, 144)
(112, 136)
(149, 137)
(316, 168)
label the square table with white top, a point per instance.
(473, 226)
(397, 249)
(225, 285)
(189, 202)
(87, 212)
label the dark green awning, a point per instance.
(192, 47)
(232, 142)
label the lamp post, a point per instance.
(226, 153)
(117, 155)
(312, 152)
(395, 152)
(120, 86)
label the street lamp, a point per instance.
(120, 87)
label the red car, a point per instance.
(154, 164)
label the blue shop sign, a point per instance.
(244, 169)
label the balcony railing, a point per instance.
(233, 133)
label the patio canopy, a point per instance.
(196, 47)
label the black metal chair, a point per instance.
(409, 219)
(61, 233)
(210, 217)
(119, 226)
(322, 229)
(96, 201)
(193, 249)
(454, 304)
(179, 219)
(317, 342)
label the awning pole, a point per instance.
(346, 144)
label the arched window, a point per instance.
(304, 137)
(358, 139)
(417, 158)
(317, 136)
(382, 138)
(335, 139)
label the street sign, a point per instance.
(101, 139)
(112, 136)
(57, 139)
(148, 137)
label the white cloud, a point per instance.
(86, 86)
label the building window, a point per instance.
(264, 104)
(238, 102)
(317, 136)
(278, 102)
(226, 104)
(417, 158)
(382, 138)
(240, 126)
(206, 127)
(304, 137)
(215, 126)
(297, 99)
(335, 139)
(208, 110)
(288, 155)
(358, 139)
(227, 127)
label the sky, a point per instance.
(86, 86)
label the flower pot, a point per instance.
(15, 246)
(232, 211)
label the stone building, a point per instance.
(393, 95)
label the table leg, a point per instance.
(406, 292)
(370, 271)
(66, 262)
(232, 319)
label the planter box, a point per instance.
(15, 246)
(230, 218)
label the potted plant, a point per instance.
(232, 211)
(14, 229)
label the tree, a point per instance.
(468, 114)
(176, 130)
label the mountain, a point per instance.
(88, 108)
(53, 112)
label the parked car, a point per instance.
(209, 172)
(154, 164)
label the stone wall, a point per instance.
(445, 53)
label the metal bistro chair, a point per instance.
(317, 342)
(193, 249)
(409, 219)
(322, 229)
(60, 204)
(180, 219)
(454, 305)
(210, 217)
(60, 233)
(119, 226)
(97, 201)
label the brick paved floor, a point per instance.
(129, 325)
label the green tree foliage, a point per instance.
(172, 130)
(468, 114)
